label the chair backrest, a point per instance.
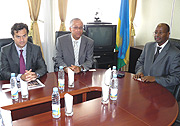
(60, 33)
(176, 93)
(175, 42)
(5, 41)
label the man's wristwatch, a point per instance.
(38, 76)
(81, 68)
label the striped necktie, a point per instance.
(22, 63)
(76, 53)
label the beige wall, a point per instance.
(152, 12)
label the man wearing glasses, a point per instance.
(160, 60)
(74, 50)
(22, 57)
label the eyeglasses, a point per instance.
(160, 33)
(76, 28)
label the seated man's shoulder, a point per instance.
(8, 46)
(33, 47)
(63, 38)
(87, 38)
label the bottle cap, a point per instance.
(12, 74)
(114, 75)
(114, 67)
(60, 67)
(55, 89)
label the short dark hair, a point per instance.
(166, 25)
(168, 28)
(18, 26)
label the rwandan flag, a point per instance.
(122, 35)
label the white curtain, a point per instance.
(49, 35)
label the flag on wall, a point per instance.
(122, 35)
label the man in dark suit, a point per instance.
(74, 50)
(165, 69)
(31, 60)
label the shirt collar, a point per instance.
(162, 46)
(24, 48)
(79, 40)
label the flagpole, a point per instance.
(172, 14)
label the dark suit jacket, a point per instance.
(10, 60)
(166, 67)
(65, 51)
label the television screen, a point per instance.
(104, 36)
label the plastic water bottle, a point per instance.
(14, 88)
(61, 78)
(1, 120)
(56, 113)
(114, 72)
(114, 88)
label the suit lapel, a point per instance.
(28, 56)
(15, 57)
(70, 47)
(153, 52)
(163, 53)
(82, 46)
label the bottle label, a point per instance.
(61, 84)
(113, 95)
(114, 75)
(55, 110)
(14, 93)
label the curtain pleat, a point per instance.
(34, 7)
(62, 4)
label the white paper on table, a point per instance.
(139, 79)
(6, 86)
(6, 116)
(107, 78)
(92, 69)
(68, 102)
(70, 76)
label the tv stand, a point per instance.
(106, 59)
(104, 36)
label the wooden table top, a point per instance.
(87, 113)
(94, 113)
(144, 103)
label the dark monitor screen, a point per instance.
(104, 36)
(101, 35)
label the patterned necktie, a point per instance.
(22, 63)
(76, 53)
(157, 53)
